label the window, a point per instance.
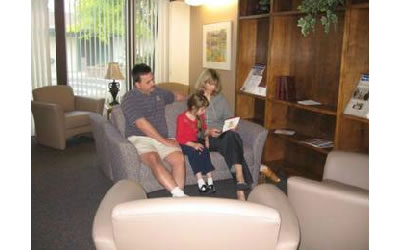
(95, 36)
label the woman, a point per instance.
(228, 144)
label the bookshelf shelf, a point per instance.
(356, 118)
(287, 13)
(252, 95)
(299, 138)
(260, 16)
(322, 109)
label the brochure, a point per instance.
(308, 102)
(359, 102)
(253, 82)
(319, 143)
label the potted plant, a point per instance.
(327, 9)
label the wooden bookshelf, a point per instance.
(325, 67)
(290, 169)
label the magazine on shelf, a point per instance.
(253, 83)
(308, 102)
(359, 101)
(319, 143)
(230, 123)
(284, 132)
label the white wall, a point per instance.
(179, 35)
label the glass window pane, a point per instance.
(95, 36)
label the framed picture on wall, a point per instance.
(217, 43)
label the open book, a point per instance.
(230, 123)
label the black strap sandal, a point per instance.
(242, 186)
(203, 189)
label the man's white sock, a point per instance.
(177, 192)
(200, 182)
(210, 181)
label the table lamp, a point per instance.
(114, 73)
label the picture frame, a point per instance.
(217, 45)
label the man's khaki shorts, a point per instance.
(144, 144)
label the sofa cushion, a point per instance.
(248, 155)
(76, 119)
(171, 113)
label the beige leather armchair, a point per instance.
(333, 214)
(59, 114)
(127, 220)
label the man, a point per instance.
(146, 128)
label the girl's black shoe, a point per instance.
(211, 188)
(242, 186)
(203, 189)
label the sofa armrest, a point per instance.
(49, 123)
(338, 213)
(122, 191)
(348, 168)
(269, 195)
(124, 159)
(95, 105)
(253, 135)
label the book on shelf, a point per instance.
(253, 83)
(284, 132)
(359, 101)
(285, 88)
(319, 143)
(308, 102)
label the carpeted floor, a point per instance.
(67, 187)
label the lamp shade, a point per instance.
(194, 2)
(114, 72)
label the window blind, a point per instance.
(95, 36)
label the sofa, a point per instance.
(59, 114)
(126, 219)
(124, 162)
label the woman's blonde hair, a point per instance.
(209, 76)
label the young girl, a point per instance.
(190, 130)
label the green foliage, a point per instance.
(264, 5)
(327, 10)
(99, 18)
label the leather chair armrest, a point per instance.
(348, 168)
(333, 210)
(269, 195)
(49, 123)
(95, 105)
(122, 191)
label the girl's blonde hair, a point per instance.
(209, 76)
(196, 101)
